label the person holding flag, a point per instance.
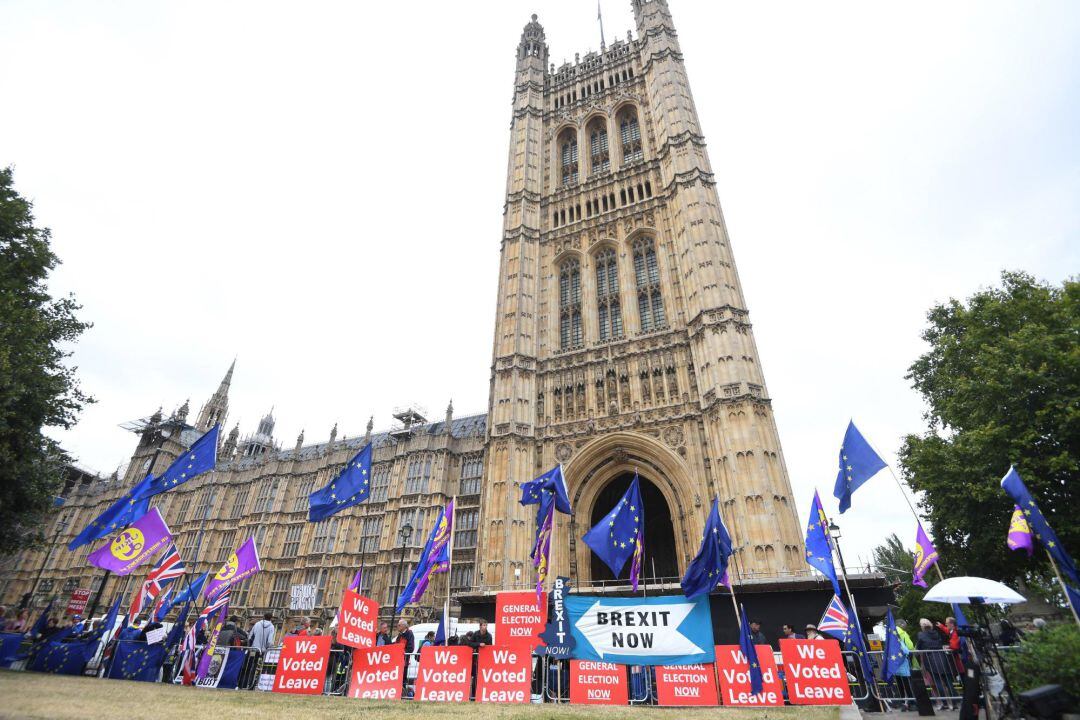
(619, 536)
(895, 663)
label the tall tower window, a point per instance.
(599, 159)
(630, 136)
(609, 314)
(570, 305)
(647, 276)
(569, 156)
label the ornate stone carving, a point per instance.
(563, 451)
(673, 436)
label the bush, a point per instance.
(1047, 657)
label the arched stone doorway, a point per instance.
(661, 557)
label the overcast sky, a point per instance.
(317, 188)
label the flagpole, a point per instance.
(1064, 589)
(450, 563)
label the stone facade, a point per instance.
(622, 344)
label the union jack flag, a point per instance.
(168, 567)
(220, 602)
(835, 621)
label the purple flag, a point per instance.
(241, 564)
(542, 549)
(926, 556)
(357, 581)
(1020, 532)
(211, 642)
(635, 561)
(435, 557)
(133, 545)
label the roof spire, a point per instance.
(600, 17)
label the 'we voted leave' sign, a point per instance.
(503, 675)
(815, 672)
(377, 673)
(733, 671)
(356, 620)
(445, 674)
(302, 665)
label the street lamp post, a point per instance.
(404, 533)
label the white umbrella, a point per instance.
(966, 589)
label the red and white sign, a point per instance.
(733, 672)
(519, 619)
(815, 672)
(686, 685)
(597, 683)
(378, 673)
(302, 665)
(77, 603)
(445, 674)
(357, 619)
(504, 674)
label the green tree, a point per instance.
(37, 389)
(1001, 382)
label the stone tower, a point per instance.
(216, 409)
(622, 339)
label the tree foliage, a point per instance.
(1001, 381)
(37, 389)
(1047, 657)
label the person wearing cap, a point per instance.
(78, 626)
(812, 633)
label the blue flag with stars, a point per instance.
(858, 463)
(615, 538)
(746, 645)
(895, 651)
(199, 458)
(1013, 484)
(709, 567)
(350, 487)
(128, 508)
(818, 545)
(553, 484)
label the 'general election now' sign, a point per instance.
(302, 665)
(686, 685)
(733, 671)
(445, 674)
(670, 630)
(356, 620)
(377, 672)
(597, 683)
(504, 674)
(815, 672)
(519, 618)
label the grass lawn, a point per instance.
(35, 695)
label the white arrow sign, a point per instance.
(642, 630)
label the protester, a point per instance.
(151, 624)
(383, 636)
(315, 630)
(303, 626)
(481, 637)
(262, 634)
(21, 623)
(936, 664)
(788, 633)
(405, 636)
(429, 639)
(903, 673)
(228, 631)
(756, 636)
(813, 634)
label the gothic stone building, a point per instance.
(622, 344)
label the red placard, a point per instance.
(378, 673)
(733, 672)
(302, 666)
(597, 683)
(686, 685)
(357, 619)
(519, 619)
(504, 674)
(445, 674)
(815, 672)
(77, 603)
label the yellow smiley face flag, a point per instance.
(133, 545)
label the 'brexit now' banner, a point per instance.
(670, 630)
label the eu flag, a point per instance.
(350, 487)
(818, 545)
(128, 508)
(188, 594)
(197, 459)
(858, 463)
(615, 538)
(133, 660)
(709, 566)
(1014, 485)
(746, 645)
(895, 652)
(552, 482)
(110, 618)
